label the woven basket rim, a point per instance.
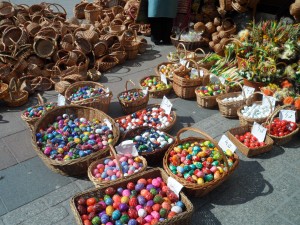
(156, 91)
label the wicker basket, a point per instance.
(284, 139)
(106, 63)
(182, 218)
(156, 93)
(180, 53)
(77, 166)
(61, 86)
(243, 148)
(185, 88)
(199, 190)
(3, 90)
(100, 102)
(166, 129)
(32, 121)
(114, 155)
(15, 97)
(153, 158)
(249, 121)
(158, 73)
(131, 107)
(225, 5)
(130, 43)
(92, 12)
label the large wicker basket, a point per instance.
(156, 93)
(185, 87)
(77, 166)
(133, 106)
(15, 97)
(180, 219)
(284, 139)
(247, 120)
(199, 190)
(243, 148)
(153, 158)
(114, 155)
(101, 102)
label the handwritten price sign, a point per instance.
(265, 101)
(289, 115)
(166, 105)
(108, 123)
(127, 147)
(174, 185)
(61, 101)
(259, 132)
(225, 144)
(163, 78)
(145, 90)
(248, 91)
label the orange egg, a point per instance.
(171, 214)
(144, 192)
(166, 205)
(156, 207)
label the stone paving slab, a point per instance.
(7, 159)
(3, 209)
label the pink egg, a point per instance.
(149, 218)
(99, 166)
(111, 163)
(213, 169)
(155, 182)
(98, 175)
(118, 174)
(47, 150)
(138, 207)
(123, 159)
(130, 161)
(155, 215)
(126, 192)
(110, 172)
(130, 172)
(95, 171)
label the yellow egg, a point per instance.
(195, 177)
(200, 181)
(109, 210)
(220, 169)
(60, 150)
(217, 175)
(110, 140)
(137, 159)
(125, 199)
(66, 157)
(77, 140)
(228, 152)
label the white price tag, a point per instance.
(194, 72)
(108, 123)
(289, 115)
(127, 147)
(166, 105)
(201, 73)
(222, 79)
(248, 91)
(183, 62)
(259, 132)
(265, 101)
(145, 90)
(107, 91)
(163, 78)
(61, 101)
(174, 185)
(225, 144)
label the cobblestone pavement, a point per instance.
(263, 190)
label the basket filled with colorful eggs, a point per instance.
(108, 170)
(282, 129)
(207, 95)
(254, 111)
(247, 143)
(90, 94)
(34, 113)
(186, 80)
(68, 138)
(152, 116)
(144, 198)
(198, 163)
(156, 87)
(134, 99)
(150, 143)
(167, 69)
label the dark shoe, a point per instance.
(157, 42)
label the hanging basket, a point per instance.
(114, 156)
(78, 166)
(249, 152)
(15, 96)
(194, 189)
(133, 106)
(283, 139)
(100, 102)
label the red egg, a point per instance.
(131, 186)
(148, 209)
(133, 202)
(132, 213)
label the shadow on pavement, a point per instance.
(276, 151)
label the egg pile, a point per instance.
(148, 201)
(39, 111)
(151, 140)
(87, 92)
(109, 170)
(256, 111)
(168, 69)
(155, 84)
(70, 137)
(210, 90)
(198, 162)
(233, 99)
(131, 96)
(153, 117)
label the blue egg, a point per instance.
(53, 152)
(108, 201)
(104, 218)
(180, 204)
(82, 153)
(38, 135)
(104, 175)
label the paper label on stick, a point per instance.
(265, 101)
(259, 132)
(183, 62)
(174, 185)
(145, 90)
(194, 72)
(108, 123)
(163, 78)
(166, 105)
(225, 144)
(222, 79)
(127, 147)
(289, 115)
(61, 101)
(248, 91)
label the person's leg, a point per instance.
(167, 24)
(155, 30)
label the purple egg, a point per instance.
(123, 207)
(141, 200)
(150, 203)
(149, 186)
(139, 187)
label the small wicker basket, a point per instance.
(156, 93)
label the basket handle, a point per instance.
(40, 99)
(199, 49)
(204, 135)
(239, 84)
(257, 92)
(195, 63)
(12, 87)
(184, 48)
(234, 40)
(115, 155)
(129, 81)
